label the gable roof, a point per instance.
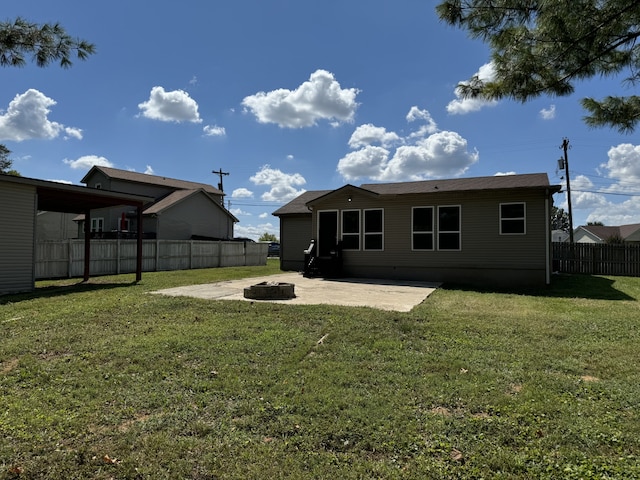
(178, 196)
(529, 180)
(603, 232)
(136, 177)
(299, 204)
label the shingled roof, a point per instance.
(136, 177)
(499, 182)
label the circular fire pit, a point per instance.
(270, 291)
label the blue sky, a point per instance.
(288, 96)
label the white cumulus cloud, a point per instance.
(548, 113)
(462, 106)
(319, 98)
(214, 131)
(173, 106)
(369, 134)
(242, 193)
(87, 161)
(424, 153)
(26, 118)
(282, 185)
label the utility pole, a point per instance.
(565, 162)
(220, 173)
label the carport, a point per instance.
(59, 197)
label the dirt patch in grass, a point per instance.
(9, 365)
(589, 378)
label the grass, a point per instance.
(102, 380)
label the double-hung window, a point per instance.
(351, 229)
(512, 218)
(422, 228)
(373, 229)
(97, 224)
(449, 228)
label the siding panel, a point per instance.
(17, 224)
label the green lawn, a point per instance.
(103, 380)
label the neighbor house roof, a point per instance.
(179, 195)
(136, 177)
(603, 232)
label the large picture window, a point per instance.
(373, 229)
(422, 228)
(351, 229)
(512, 219)
(449, 228)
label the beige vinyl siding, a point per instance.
(17, 224)
(295, 236)
(484, 252)
(195, 215)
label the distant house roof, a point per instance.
(499, 182)
(136, 177)
(603, 232)
(179, 195)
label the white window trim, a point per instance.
(523, 219)
(365, 233)
(360, 227)
(432, 232)
(99, 224)
(459, 231)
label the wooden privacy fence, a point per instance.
(65, 259)
(597, 258)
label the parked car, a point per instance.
(274, 249)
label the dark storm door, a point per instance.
(327, 232)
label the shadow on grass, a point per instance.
(59, 290)
(563, 286)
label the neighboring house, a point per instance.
(559, 236)
(602, 234)
(182, 210)
(54, 226)
(486, 230)
(20, 200)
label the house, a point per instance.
(559, 236)
(485, 230)
(20, 200)
(181, 210)
(55, 226)
(603, 234)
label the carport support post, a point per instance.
(87, 244)
(139, 245)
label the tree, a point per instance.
(560, 219)
(45, 43)
(6, 162)
(267, 237)
(599, 224)
(544, 47)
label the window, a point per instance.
(97, 185)
(351, 229)
(422, 228)
(512, 219)
(373, 229)
(449, 228)
(97, 224)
